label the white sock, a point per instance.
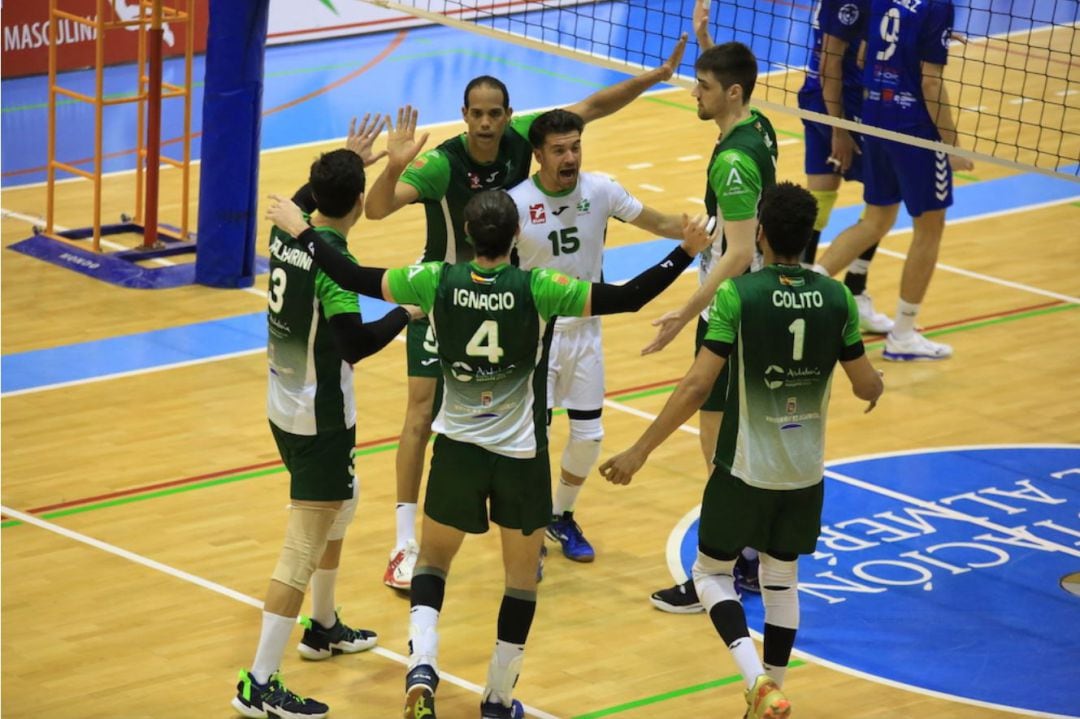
(503, 672)
(776, 674)
(406, 523)
(746, 658)
(565, 497)
(322, 596)
(423, 636)
(905, 319)
(859, 267)
(272, 640)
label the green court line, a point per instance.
(393, 445)
(1075, 204)
(657, 698)
(965, 176)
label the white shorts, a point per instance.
(576, 365)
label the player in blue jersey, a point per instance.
(833, 86)
(907, 48)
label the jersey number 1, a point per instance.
(798, 329)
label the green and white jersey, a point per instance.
(447, 177)
(790, 326)
(742, 167)
(310, 388)
(492, 326)
(566, 231)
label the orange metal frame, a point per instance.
(150, 92)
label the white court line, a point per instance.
(224, 591)
(651, 188)
(689, 158)
(639, 166)
(788, 141)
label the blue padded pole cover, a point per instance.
(229, 177)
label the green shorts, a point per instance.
(715, 401)
(320, 465)
(464, 477)
(777, 521)
(421, 349)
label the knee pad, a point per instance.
(714, 581)
(780, 591)
(305, 540)
(345, 514)
(583, 449)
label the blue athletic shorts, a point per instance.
(819, 139)
(894, 172)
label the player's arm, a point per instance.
(938, 105)
(832, 88)
(700, 19)
(356, 339)
(658, 223)
(866, 382)
(605, 299)
(688, 397)
(387, 194)
(614, 98)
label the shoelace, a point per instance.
(277, 687)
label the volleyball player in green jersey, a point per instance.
(494, 323)
(742, 166)
(493, 153)
(316, 333)
(782, 330)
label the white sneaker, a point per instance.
(915, 347)
(399, 571)
(870, 320)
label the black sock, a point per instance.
(516, 616)
(810, 252)
(730, 621)
(856, 281)
(427, 590)
(777, 645)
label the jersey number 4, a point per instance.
(485, 342)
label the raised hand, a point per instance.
(401, 143)
(360, 139)
(700, 21)
(671, 65)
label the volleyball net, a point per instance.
(1012, 76)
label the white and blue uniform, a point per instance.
(903, 34)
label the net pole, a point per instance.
(140, 124)
(50, 166)
(99, 118)
(185, 180)
(153, 125)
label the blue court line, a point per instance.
(203, 341)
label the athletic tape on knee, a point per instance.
(345, 514)
(780, 591)
(305, 540)
(826, 199)
(583, 449)
(714, 581)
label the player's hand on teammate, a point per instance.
(401, 143)
(698, 233)
(671, 65)
(843, 150)
(284, 213)
(360, 139)
(961, 164)
(621, 468)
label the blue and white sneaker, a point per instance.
(420, 685)
(319, 642)
(259, 701)
(496, 710)
(566, 532)
(914, 348)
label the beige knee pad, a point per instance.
(305, 540)
(345, 514)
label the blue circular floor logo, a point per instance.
(948, 571)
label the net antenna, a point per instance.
(148, 18)
(1013, 73)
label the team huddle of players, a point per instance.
(502, 319)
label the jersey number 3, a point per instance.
(276, 295)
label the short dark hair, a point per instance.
(491, 219)
(336, 179)
(488, 81)
(787, 217)
(732, 63)
(553, 122)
